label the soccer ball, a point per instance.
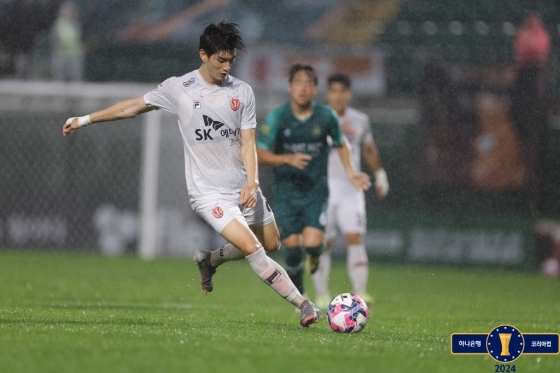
(347, 313)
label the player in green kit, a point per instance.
(296, 139)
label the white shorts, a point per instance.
(218, 212)
(346, 213)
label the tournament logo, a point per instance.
(505, 344)
(234, 104)
(217, 212)
(188, 83)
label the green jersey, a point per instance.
(284, 133)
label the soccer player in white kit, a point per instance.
(347, 208)
(216, 117)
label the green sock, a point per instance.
(294, 257)
(315, 251)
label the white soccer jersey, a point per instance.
(210, 118)
(355, 126)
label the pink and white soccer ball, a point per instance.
(347, 313)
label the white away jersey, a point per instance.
(210, 118)
(355, 126)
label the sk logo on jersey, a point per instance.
(211, 122)
(217, 212)
(234, 103)
(204, 134)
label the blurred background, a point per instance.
(462, 96)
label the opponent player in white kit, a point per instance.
(216, 116)
(347, 208)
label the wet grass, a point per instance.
(78, 313)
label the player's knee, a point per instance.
(354, 239)
(272, 245)
(292, 241)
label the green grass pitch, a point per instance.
(82, 313)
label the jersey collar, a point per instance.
(313, 105)
(204, 83)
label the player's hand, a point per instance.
(360, 180)
(381, 183)
(299, 160)
(70, 126)
(248, 197)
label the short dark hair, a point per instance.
(339, 78)
(307, 68)
(220, 37)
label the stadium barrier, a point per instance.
(119, 188)
(115, 188)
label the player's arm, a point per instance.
(358, 178)
(122, 110)
(266, 140)
(248, 197)
(268, 158)
(371, 155)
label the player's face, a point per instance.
(216, 67)
(302, 88)
(338, 96)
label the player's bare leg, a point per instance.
(237, 232)
(208, 261)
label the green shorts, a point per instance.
(297, 207)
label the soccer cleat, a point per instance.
(297, 310)
(309, 313)
(367, 298)
(323, 302)
(311, 264)
(202, 260)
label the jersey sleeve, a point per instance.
(334, 130)
(248, 116)
(165, 96)
(266, 136)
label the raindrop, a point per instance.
(456, 28)
(429, 28)
(482, 28)
(404, 28)
(508, 28)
